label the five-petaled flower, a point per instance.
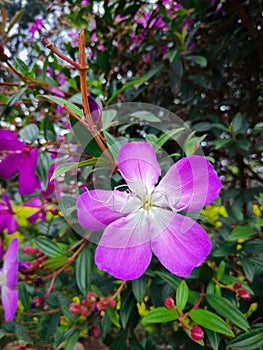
(150, 218)
(9, 279)
(22, 160)
(7, 218)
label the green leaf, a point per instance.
(220, 270)
(160, 314)
(83, 270)
(213, 338)
(29, 133)
(24, 296)
(12, 101)
(21, 66)
(222, 142)
(182, 295)
(63, 168)
(210, 321)
(165, 137)
(168, 277)
(48, 247)
(145, 116)
(55, 263)
(242, 232)
(15, 19)
(139, 288)
(114, 316)
(61, 102)
(228, 310)
(201, 60)
(248, 341)
(71, 340)
(108, 117)
(239, 124)
(123, 88)
(43, 166)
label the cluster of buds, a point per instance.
(92, 303)
(244, 294)
(196, 332)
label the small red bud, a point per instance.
(237, 285)
(37, 302)
(197, 333)
(225, 116)
(169, 303)
(75, 308)
(30, 250)
(54, 211)
(112, 303)
(1, 49)
(244, 294)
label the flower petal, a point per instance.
(98, 208)
(10, 302)
(12, 224)
(9, 141)
(10, 267)
(28, 181)
(190, 184)
(10, 165)
(138, 164)
(3, 221)
(182, 246)
(124, 263)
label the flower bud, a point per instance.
(244, 294)
(197, 333)
(37, 302)
(54, 211)
(38, 281)
(169, 303)
(237, 285)
(26, 267)
(75, 308)
(30, 250)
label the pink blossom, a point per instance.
(149, 216)
(22, 160)
(9, 279)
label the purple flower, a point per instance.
(9, 279)
(7, 219)
(148, 218)
(34, 27)
(22, 161)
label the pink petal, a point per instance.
(9, 141)
(182, 246)
(10, 165)
(139, 166)
(12, 224)
(190, 184)
(3, 221)
(10, 302)
(98, 208)
(124, 263)
(11, 264)
(28, 181)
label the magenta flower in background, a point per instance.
(35, 27)
(7, 219)
(9, 280)
(22, 160)
(148, 218)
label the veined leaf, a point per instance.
(160, 314)
(228, 310)
(83, 270)
(210, 321)
(248, 341)
(182, 295)
(63, 168)
(48, 247)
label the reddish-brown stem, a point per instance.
(118, 291)
(59, 54)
